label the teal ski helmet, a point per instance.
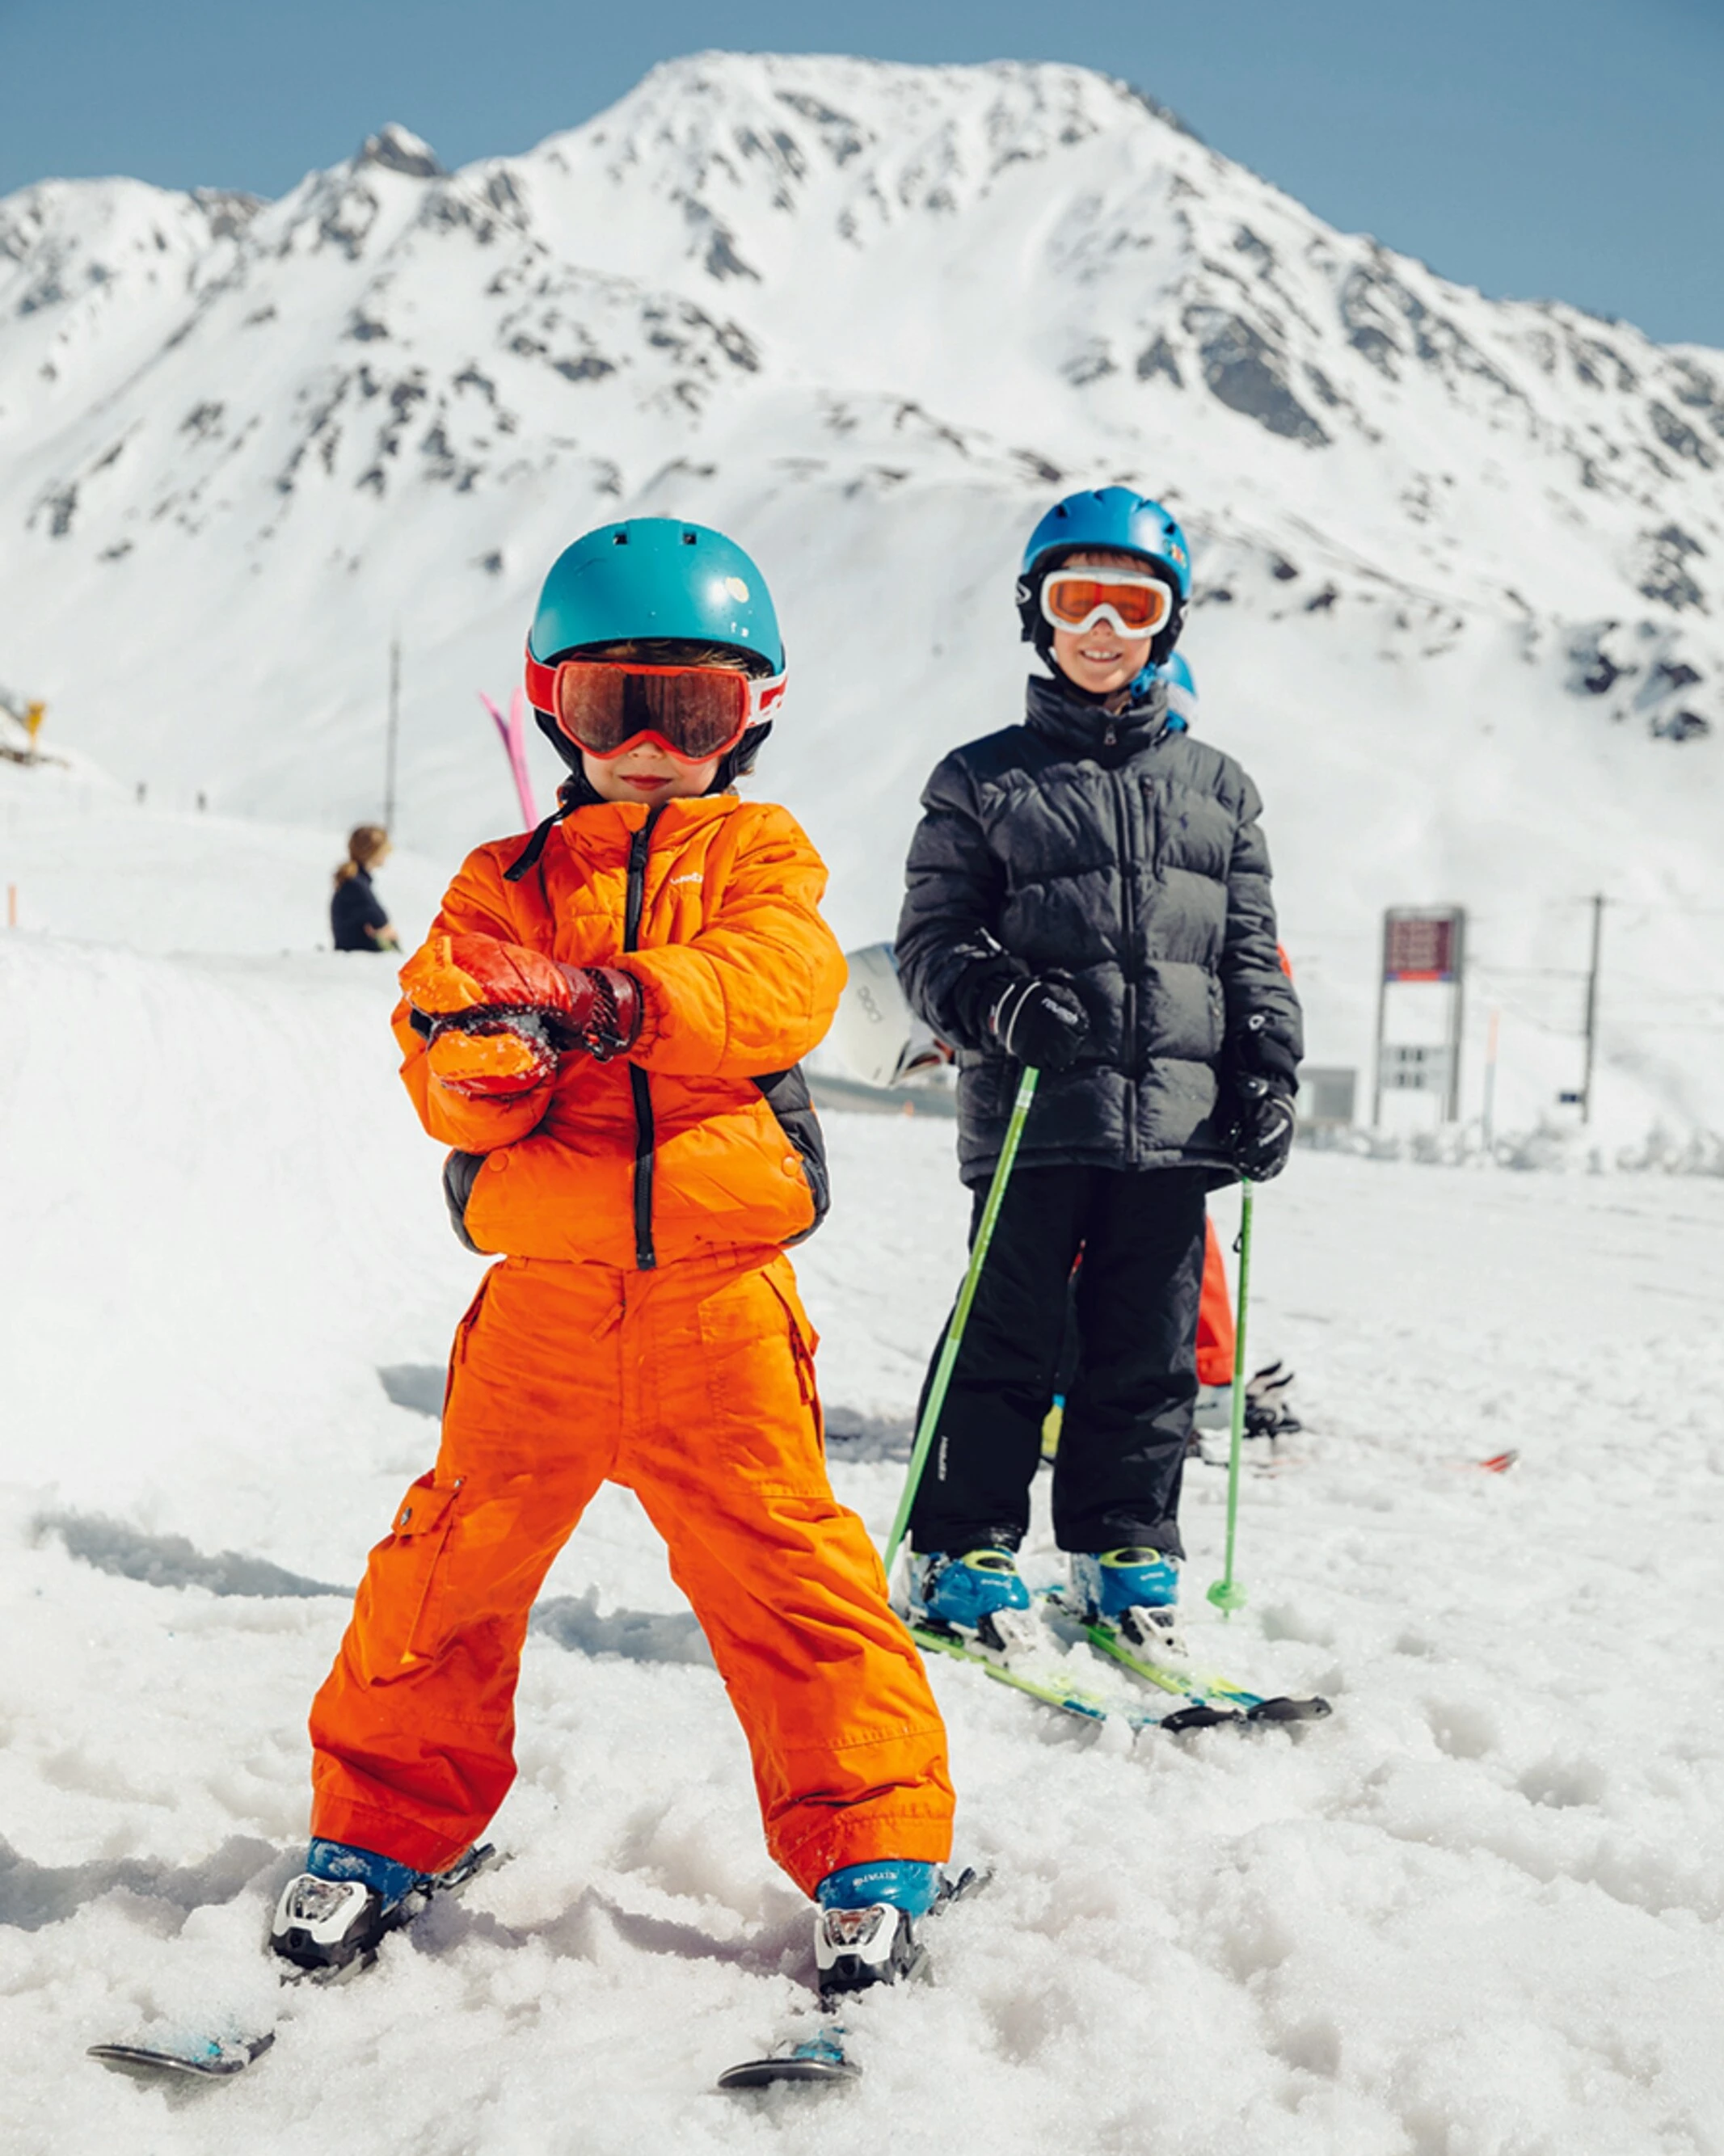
(1125, 522)
(655, 577)
(658, 579)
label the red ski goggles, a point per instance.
(694, 713)
(1078, 599)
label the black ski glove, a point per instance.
(1039, 1022)
(1267, 1122)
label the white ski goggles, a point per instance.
(1135, 606)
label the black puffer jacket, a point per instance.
(1122, 855)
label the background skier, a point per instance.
(605, 1024)
(356, 918)
(1089, 892)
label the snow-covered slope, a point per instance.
(1478, 1910)
(1458, 561)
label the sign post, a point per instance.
(1421, 944)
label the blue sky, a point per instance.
(1564, 148)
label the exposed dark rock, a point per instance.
(1322, 601)
(1259, 250)
(398, 149)
(229, 213)
(1666, 575)
(1676, 674)
(1038, 467)
(1244, 371)
(1282, 570)
(1162, 111)
(1089, 365)
(1677, 435)
(589, 367)
(62, 506)
(843, 137)
(1682, 726)
(1158, 358)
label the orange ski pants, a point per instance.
(693, 1386)
(1214, 1316)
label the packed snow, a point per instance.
(1476, 1913)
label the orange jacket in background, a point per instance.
(739, 978)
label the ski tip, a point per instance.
(1196, 1716)
(210, 2059)
(818, 2070)
(1290, 1710)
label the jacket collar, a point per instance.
(1061, 715)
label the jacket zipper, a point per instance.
(634, 906)
(1128, 892)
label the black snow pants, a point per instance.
(1128, 1418)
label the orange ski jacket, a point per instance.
(700, 1137)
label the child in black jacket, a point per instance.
(1089, 892)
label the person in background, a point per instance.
(357, 919)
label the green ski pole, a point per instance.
(1227, 1594)
(961, 1315)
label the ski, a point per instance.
(220, 2054)
(1193, 1713)
(822, 2056)
(211, 2058)
(1132, 1646)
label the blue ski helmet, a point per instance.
(655, 577)
(1117, 518)
(1182, 693)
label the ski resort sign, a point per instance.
(1424, 960)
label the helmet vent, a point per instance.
(689, 538)
(619, 538)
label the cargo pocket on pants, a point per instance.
(408, 1582)
(804, 1340)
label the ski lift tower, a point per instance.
(1423, 947)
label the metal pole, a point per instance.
(394, 732)
(1489, 1116)
(1456, 1011)
(1383, 1011)
(1586, 1083)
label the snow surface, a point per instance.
(1458, 561)
(1477, 1914)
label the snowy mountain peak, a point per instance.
(869, 316)
(398, 149)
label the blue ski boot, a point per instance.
(1133, 1592)
(334, 1915)
(978, 1595)
(864, 1927)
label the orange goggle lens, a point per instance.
(696, 711)
(1139, 605)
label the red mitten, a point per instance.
(473, 973)
(491, 1055)
(596, 1007)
